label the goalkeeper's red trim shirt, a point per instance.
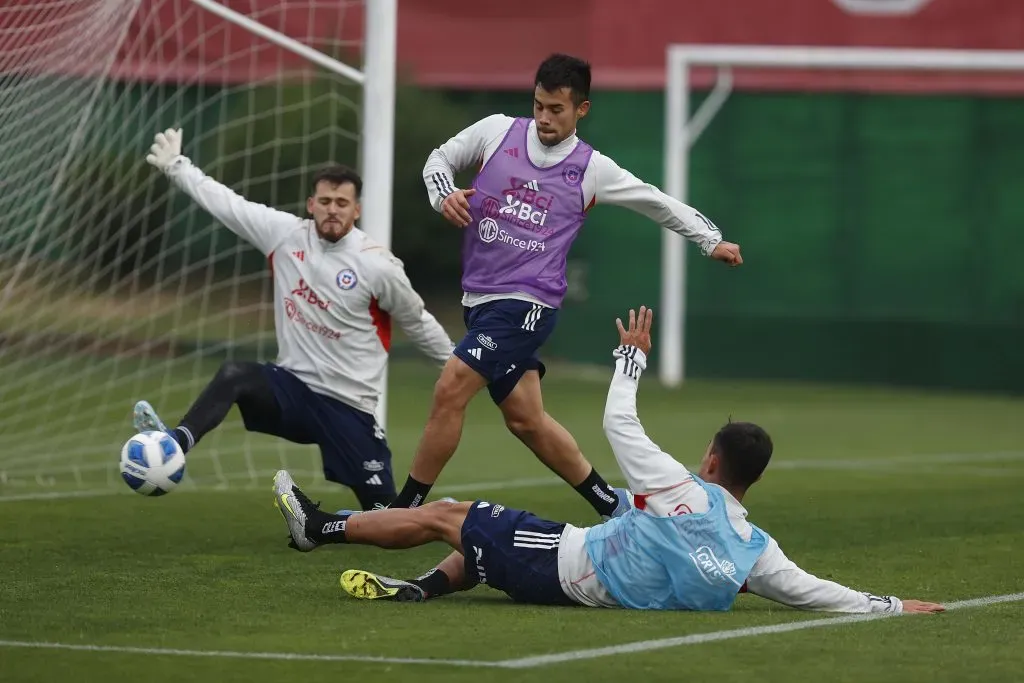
(333, 301)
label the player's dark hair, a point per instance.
(337, 175)
(564, 71)
(744, 450)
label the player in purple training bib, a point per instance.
(526, 206)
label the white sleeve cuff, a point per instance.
(889, 604)
(634, 361)
(442, 186)
(710, 244)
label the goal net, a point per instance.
(875, 194)
(115, 287)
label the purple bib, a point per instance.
(524, 221)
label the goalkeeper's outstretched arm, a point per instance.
(260, 225)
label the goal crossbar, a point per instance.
(681, 131)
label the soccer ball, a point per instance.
(152, 463)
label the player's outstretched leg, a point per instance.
(455, 388)
(522, 405)
(381, 506)
(311, 527)
(236, 382)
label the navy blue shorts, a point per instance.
(514, 551)
(354, 450)
(502, 341)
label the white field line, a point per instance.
(698, 638)
(886, 464)
(54, 495)
(520, 662)
(229, 654)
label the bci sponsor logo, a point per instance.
(521, 213)
(306, 293)
(523, 210)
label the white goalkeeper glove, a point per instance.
(166, 148)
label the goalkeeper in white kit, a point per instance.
(685, 544)
(336, 292)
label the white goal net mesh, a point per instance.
(113, 286)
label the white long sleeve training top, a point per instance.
(664, 487)
(333, 301)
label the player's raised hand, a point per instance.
(165, 149)
(727, 252)
(920, 607)
(455, 207)
(638, 333)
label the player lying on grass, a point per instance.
(335, 293)
(536, 184)
(686, 544)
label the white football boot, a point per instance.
(293, 505)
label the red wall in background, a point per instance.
(499, 45)
(495, 45)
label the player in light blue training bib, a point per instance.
(685, 544)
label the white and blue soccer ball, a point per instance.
(152, 463)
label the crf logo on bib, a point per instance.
(881, 7)
(712, 569)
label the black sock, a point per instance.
(183, 435)
(324, 527)
(370, 500)
(598, 493)
(412, 494)
(434, 583)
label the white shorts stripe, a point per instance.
(523, 532)
(538, 546)
(530, 323)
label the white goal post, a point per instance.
(681, 131)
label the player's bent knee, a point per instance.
(233, 371)
(525, 426)
(523, 418)
(445, 508)
(445, 517)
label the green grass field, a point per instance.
(897, 492)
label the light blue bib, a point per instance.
(686, 562)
